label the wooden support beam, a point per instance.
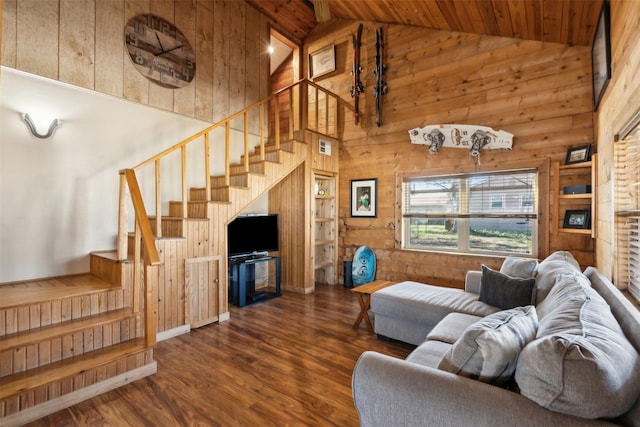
(321, 8)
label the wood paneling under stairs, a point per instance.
(192, 284)
(286, 361)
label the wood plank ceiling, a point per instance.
(569, 22)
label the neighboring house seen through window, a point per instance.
(488, 213)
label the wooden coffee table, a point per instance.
(364, 299)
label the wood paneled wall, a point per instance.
(290, 199)
(281, 78)
(81, 42)
(540, 92)
(620, 102)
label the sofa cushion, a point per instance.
(519, 267)
(563, 290)
(504, 291)
(429, 353)
(451, 328)
(424, 305)
(549, 269)
(580, 362)
(488, 349)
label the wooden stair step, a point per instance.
(19, 294)
(254, 167)
(68, 368)
(272, 156)
(230, 187)
(237, 173)
(172, 226)
(258, 162)
(237, 179)
(111, 254)
(174, 219)
(64, 328)
(196, 209)
(166, 218)
(284, 146)
(240, 179)
(218, 194)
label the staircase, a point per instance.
(66, 339)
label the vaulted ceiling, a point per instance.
(569, 22)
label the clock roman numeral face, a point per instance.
(159, 51)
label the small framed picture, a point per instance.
(577, 219)
(578, 154)
(322, 62)
(364, 197)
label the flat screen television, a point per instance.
(249, 234)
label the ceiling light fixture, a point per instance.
(32, 127)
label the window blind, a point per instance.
(488, 212)
(481, 195)
(627, 212)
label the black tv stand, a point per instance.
(242, 280)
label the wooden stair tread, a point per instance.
(189, 202)
(42, 290)
(174, 218)
(111, 255)
(64, 328)
(188, 218)
(107, 254)
(240, 173)
(230, 187)
(167, 218)
(34, 378)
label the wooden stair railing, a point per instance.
(278, 117)
(303, 106)
(142, 234)
(300, 98)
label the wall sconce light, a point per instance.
(32, 127)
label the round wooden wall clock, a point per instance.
(159, 51)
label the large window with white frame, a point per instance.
(480, 213)
(627, 209)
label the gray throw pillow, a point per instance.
(580, 363)
(488, 349)
(524, 268)
(500, 290)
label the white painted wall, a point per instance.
(59, 197)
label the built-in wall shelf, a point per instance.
(575, 196)
(575, 231)
(325, 233)
(574, 175)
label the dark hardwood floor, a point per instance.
(283, 362)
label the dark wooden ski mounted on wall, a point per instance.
(381, 86)
(357, 87)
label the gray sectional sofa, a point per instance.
(529, 345)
